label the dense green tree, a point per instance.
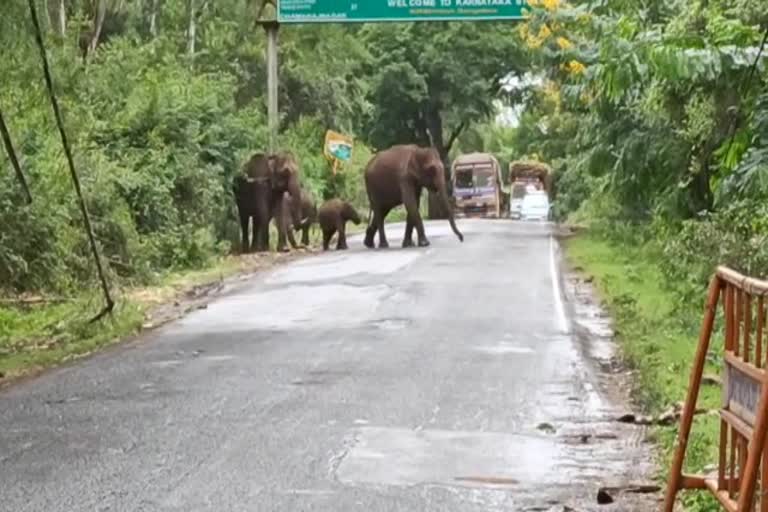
(431, 81)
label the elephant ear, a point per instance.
(428, 165)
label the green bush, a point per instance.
(157, 143)
(736, 236)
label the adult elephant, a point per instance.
(397, 176)
(259, 192)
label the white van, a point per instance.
(535, 206)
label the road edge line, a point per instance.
(562, 319)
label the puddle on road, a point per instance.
(504, 348)
(336, 267)
(166, 363)
(219, 358)
(592, 321)
(293, 307)
(391, 324)
(405, 457)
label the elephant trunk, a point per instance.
(449, 209)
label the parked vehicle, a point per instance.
(516, 199)
(528, 177)
(535, 207)
(477, 191)
(529, 172)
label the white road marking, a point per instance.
(562, 320)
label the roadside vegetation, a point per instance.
(654, 116)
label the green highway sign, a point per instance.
(358, 11)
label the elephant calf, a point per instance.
(332, 217)
(308, 217)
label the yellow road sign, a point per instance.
(337, 147)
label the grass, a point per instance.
(45, 334)
(658, 340)
(34, 337)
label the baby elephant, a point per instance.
(308, 217)
(332, 217)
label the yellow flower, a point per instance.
(532, 43)
(576, 68)
(564, 43)
(550, 5)
(544, 32)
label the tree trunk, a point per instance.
(98, 23)
(154, 7)
(57, 13)
(47, 17)
(435, 206)
(192, 29)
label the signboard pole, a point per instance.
(273, 119)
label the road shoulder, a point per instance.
(595, 333)
(37, 334)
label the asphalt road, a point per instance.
(438, 379)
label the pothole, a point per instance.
(307, 382)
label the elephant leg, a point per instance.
(305, 236)
(370, 231)
(244, 242)
(256, 244)
(327, 235)
(280, 224)
(261, 227)
(408, 237)
(383, 244)
(291, 238)
(411, 202)
(341, 244)
(260, 238)
(265, 235)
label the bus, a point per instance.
(477, 190)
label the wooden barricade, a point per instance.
(741, 482)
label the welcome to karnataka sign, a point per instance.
(359, 11)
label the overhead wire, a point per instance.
(110, 304)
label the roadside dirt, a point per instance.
(163, 304)
(617, 442)
(170, 303)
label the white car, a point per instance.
(515, 206)
(535, 206)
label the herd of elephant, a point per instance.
(270, 188)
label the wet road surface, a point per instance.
(438, 379)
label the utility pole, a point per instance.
(273, 116)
